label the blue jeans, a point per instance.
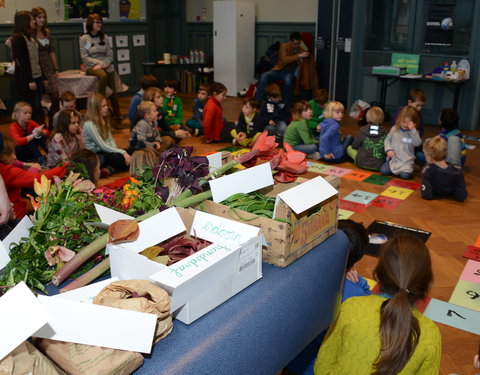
(308, 149)
(278, 129)
(386, 171)
(276, 75)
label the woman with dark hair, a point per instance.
(48, 58)
(384, 334)
(28, 73)
(97, 55)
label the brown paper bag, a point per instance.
(26, 359)
(139, 295)
(80, 359)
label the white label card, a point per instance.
(89, 324)
(123, 54)
(121, 41)
(21, 315)
(217, 229)
(245, 181)
(86, 294)
(307, 194)
(138, 40)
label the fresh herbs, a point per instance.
(61, 211)
(254, 203)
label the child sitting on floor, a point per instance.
(68, 101)
(66, 139)
(298, 133)
(440, 177)
(195, 124)
(29, 137)
(400, 145)
(320, 98)
(275, 112)
(368, 149)
(172, 106)
(249, 125)
(145, 133)
(332, 147)
(416, 100)
(18, 178)
(87, 162)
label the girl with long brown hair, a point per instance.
(97, 134)
(28, 73)
(384, 334)
(47, 58)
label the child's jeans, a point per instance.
(308, 149)
(194, 124)
(347, 141)
(386, 171)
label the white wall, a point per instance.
(265, 10)
(11, 6)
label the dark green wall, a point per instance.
(364, 86)
(65, 38)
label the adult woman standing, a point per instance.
(28, 73)
(97, 55)
(48, 58)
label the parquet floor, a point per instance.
(454, 226)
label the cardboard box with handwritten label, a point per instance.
(204, 280)
(307, 211)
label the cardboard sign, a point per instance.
(404, 184)
(317, 167)
(357, 175)
(344, 214)
(386, 202)
(308, 194)
(397, 192)
(245, 181)
(472, 252)
(360, 196)
(409, 61)
(377, 179)
(337, 171)
(22, 315)
(216, 229)
(471, 272)
(86, 294)
(214, 160)
(466, 294)
(89, 324)
(351, 206)
(20, 231)
(109, 216)
(453, 315)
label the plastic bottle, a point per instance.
(201, 56)
(453, 67)
(445, 67)
(196, 58)
(191, 61)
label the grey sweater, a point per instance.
(143, 135)
(95, 51)
(402, 143)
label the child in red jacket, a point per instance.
(27, 134)
(17, 178)
(215, 127)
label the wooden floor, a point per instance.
(454, 226)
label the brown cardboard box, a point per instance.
(296, 234)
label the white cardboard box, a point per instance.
(204, 280)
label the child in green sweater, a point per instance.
(172, 106)
(298, 133)
(320, 98)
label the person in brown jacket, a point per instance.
(290, 56)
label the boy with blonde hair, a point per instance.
(368, 149)
(438, 176)
(145, 133)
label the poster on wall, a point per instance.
(78, 9)
(440, 25)
(129, 10)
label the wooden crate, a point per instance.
(288, 241)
